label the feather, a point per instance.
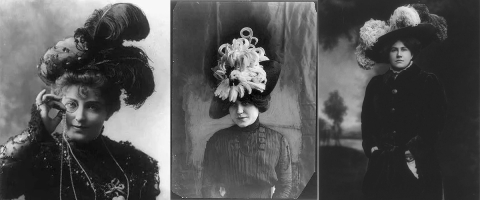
(438, 22)
(118, 22)
(404, 16)
(128, 68)
(371, 31)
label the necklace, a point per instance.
(121, 169)
(71, 154)
(114, 186)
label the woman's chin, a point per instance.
(78, 137)
(243, 124)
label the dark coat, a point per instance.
(400, 114)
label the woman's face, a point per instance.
(243, 114)
(85, 113)
(400, 55)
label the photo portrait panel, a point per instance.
(29, 28)
(287, 31)
(455, 64)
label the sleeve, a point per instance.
(152, 182)
(368, 120)
(432, 118)
(284, 171)
(210, 188)
(143, 169)
(16, 157)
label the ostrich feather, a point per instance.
(404, 16)
(128, 68)
(118, 22)
(438, 22)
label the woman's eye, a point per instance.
(71, 106)
(94, 107)
(245, 104)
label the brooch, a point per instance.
(116, 188)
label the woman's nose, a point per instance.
(79, 115)
(399, 55)
(239, 109)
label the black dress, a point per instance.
(246, 163)
(32, 164)
(400, 113)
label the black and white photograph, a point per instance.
(398, 99)
(84, 100)
(243, 99)
(329, 100)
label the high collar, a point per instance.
(405, 74)
(397, 71)
(250, 127)
(91, 145)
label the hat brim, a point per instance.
(219, 108)
(425, 33)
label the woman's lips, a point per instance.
(80, 127)
(242, 117)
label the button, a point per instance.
(394, 91)
(393, 110)
(394, 132)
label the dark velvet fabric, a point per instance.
(400, 113)
(246, 163)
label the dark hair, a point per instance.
(109, 92)
(261, 102)
(413, 44)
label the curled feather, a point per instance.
(118, 22)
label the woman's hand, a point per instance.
(45, 102)
(374, 149)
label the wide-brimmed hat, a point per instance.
(98, 46)
(410, 21)
(243, 72)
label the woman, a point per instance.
(67, 157)
(247, 159)
(404, 109)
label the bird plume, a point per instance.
(117, 23)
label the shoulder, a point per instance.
(265, 129)
(429, 79)
(130, 157)
(376, 80)
(270, 133)
(221, 134)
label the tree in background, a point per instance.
(335, 109)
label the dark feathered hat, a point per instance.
(243, 72)
(99, 46)
(406, 21)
